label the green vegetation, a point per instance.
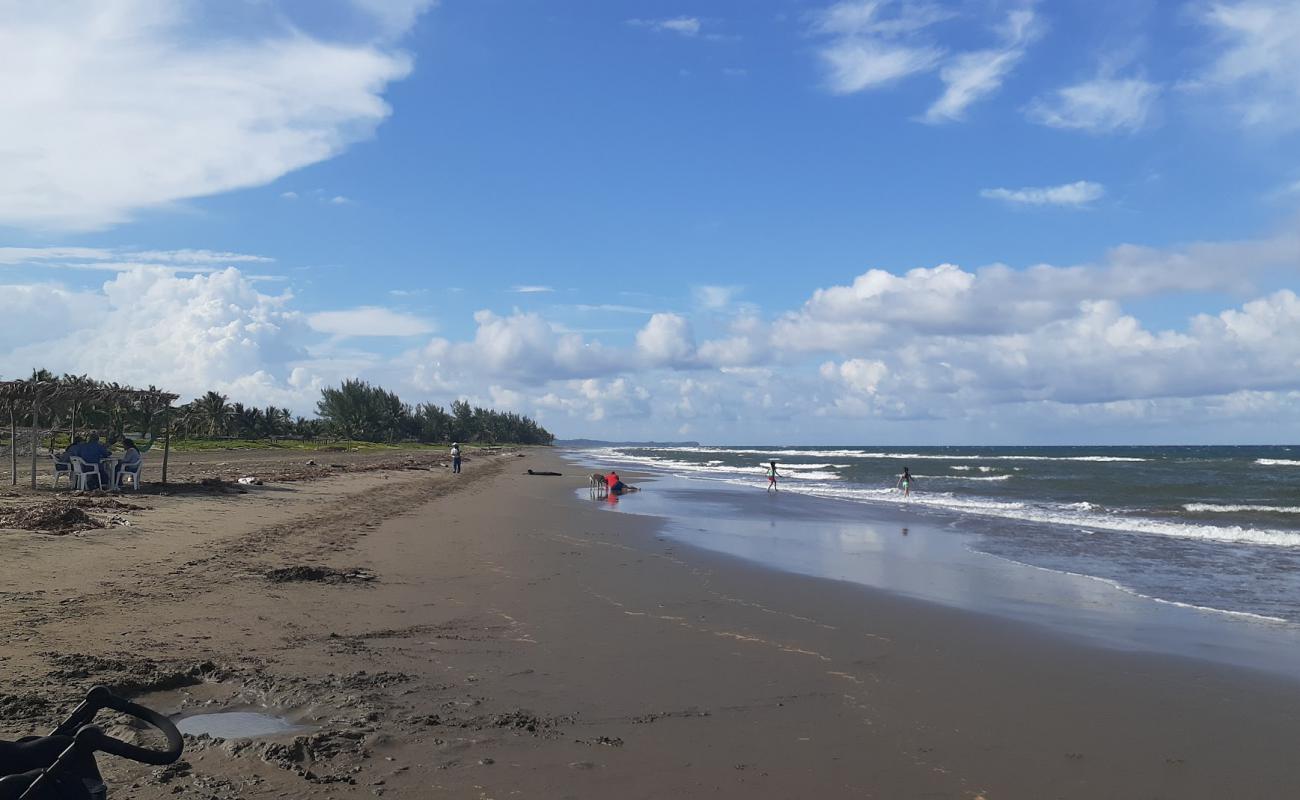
(353, 415)
(296, 445)
(358, 412)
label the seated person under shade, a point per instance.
(66, 456)
(130, 457)
(91, 451)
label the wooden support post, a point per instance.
(36, 432)
(13, 442)
(167, 443)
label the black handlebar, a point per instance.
(101, 697)
(77, 758)
(107, 744)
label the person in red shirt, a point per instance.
(616, 485)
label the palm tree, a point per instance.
(214, 410)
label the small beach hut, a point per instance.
(46, 396)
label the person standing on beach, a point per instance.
(455, 458)
(905, 482)
(771, 476)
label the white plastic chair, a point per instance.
(83, 472)
(131, 471)
(61, 468)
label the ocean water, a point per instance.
(1215, 528)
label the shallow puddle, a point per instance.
(237, 725)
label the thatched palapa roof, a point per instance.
(43, 391)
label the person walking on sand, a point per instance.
(455, 458)
(771, 476)
(905, 482)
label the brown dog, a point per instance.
(598, 486)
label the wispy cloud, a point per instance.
(854, 65)
(873, 43)
(683, 26)
(878, 17)
(368, 321)
(972, 76)
(395, 16)
(1102, 105)
(1259, 65)
(125, 260)
(527, 289)
(612, 308)
(714, 298)
(1077, 194)
(134, 111)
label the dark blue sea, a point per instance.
(1214, 528)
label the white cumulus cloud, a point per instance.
(187, 333)
(667, 340)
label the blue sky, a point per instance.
(759, 220)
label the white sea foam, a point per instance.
(779, 453)
(1077, 515)
(1217, 508)
(1277, 462)
(1086, 516)
(966, 477)
(1095, 519)
(812, 475)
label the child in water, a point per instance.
(905, 482)
(771, 477)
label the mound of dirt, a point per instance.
(57, 517)
(106, 504)
(130, 676)
(305, 574)
(14, 706)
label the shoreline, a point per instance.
(1092, 609)
(518, 641)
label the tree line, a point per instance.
(358, 411)
(354, 410)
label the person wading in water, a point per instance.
(905, 482)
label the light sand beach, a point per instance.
(496, 635)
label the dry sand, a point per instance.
(494, 635)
